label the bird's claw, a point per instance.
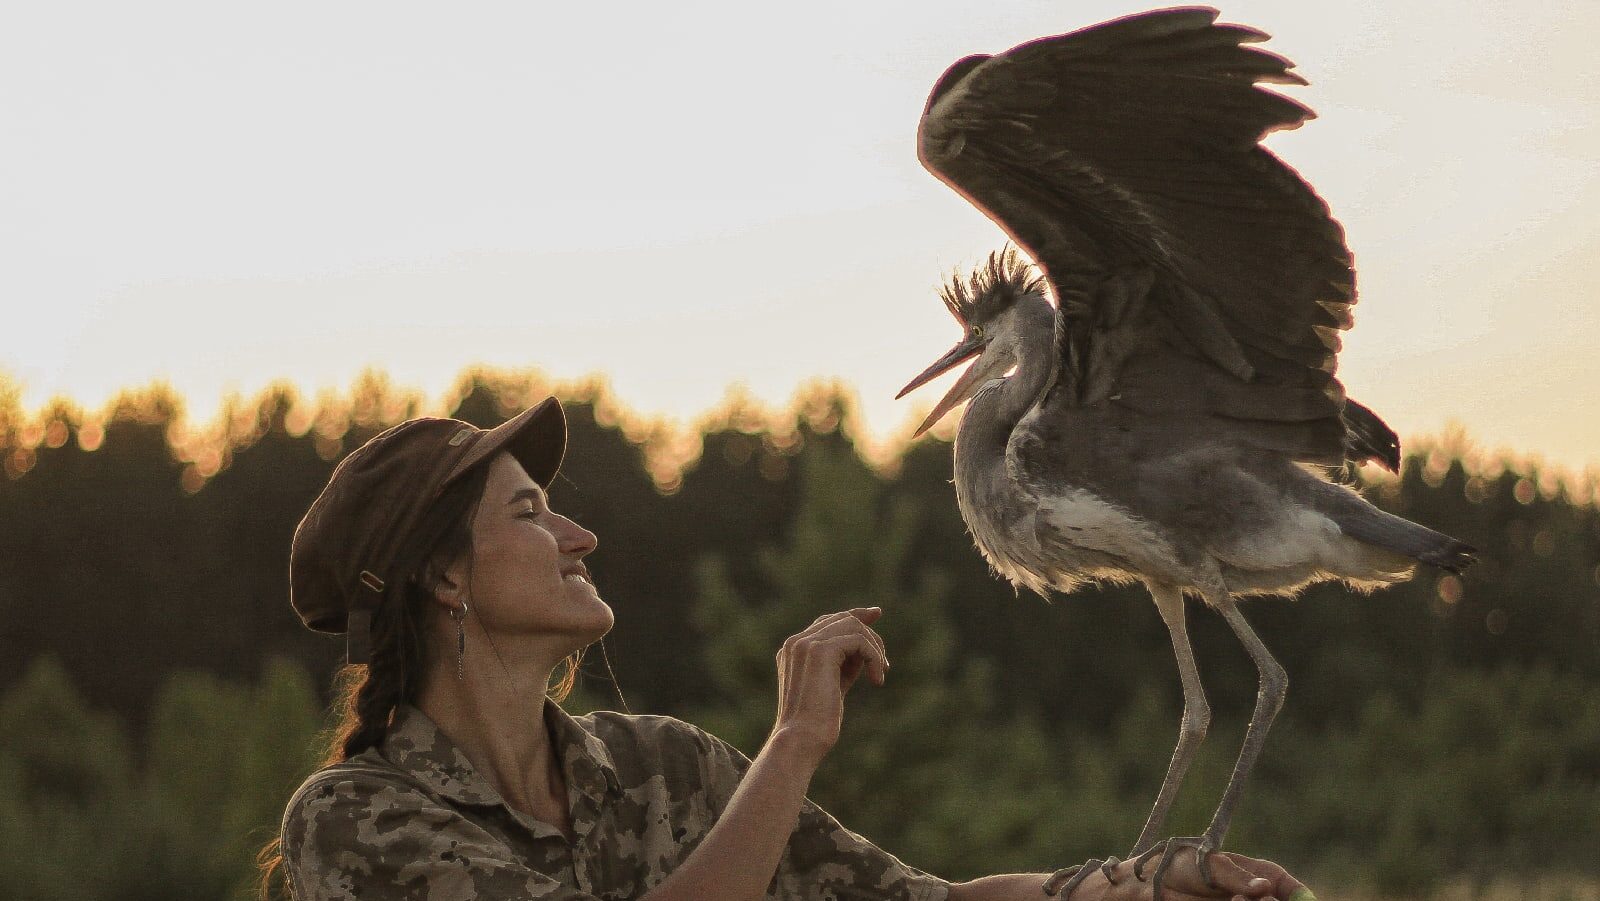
(1068, 878)
(1203, 845)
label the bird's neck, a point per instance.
(1035, 349)
(991, 416)
(989, 500)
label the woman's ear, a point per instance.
(446, 584)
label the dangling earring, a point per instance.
(460, 616)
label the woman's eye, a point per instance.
(528, 514)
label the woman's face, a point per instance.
(527, 575)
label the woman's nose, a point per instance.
(575, 539)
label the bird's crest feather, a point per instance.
(992, 287)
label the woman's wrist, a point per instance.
(794, 752)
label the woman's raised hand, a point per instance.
(816, 667)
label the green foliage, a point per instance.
(79, 819)
(221, 761)
(1489, 772)
(65, 785)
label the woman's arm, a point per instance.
(738, 857)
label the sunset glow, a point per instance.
(714, 201)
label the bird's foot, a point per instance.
(1203, 845)
(1068, 878)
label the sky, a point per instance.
(697, 195)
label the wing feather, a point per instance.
(1129, 153)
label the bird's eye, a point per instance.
(977, 331)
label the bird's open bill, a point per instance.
(960, 391)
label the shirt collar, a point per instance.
(584, 757)
(414, 743)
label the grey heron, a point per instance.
(1173, 418)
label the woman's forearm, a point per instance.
(740, 854)
(1013, 887)
(816, 667)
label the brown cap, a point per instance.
(346, 546)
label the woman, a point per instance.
(456, 775)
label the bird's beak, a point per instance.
(964, 387)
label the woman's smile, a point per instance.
(577, 573)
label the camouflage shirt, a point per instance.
(413, 819)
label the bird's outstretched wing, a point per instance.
(1194, 272)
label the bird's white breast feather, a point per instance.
(1084, 520)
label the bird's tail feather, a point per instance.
(1362, 521)
(1403, 535)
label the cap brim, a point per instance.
(536, 437)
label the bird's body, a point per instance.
(1101, 492)
(1057, 491)
(1173, 417)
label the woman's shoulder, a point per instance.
(367, 828)
(367, 766)
(663, 734)
(649, 744)
(365, 782)
(642, 728)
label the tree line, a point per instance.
(143, 572)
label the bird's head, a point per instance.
(987, 305)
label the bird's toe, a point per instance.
(1064, 880)
(1166, 850)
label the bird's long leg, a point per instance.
(1196, 715)
(1274, 685)
(1196, 720)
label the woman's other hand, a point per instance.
(1237, 877)
(816, 668)
(1280, 884)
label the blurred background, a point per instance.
(241, 242)
(161, 701)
